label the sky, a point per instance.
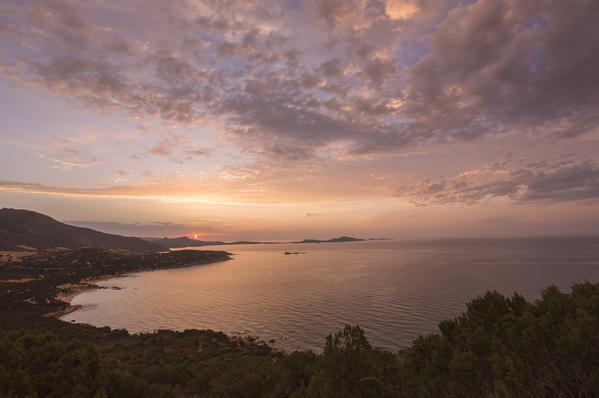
(303, 119)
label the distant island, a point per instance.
(334, 240)
(184, 241)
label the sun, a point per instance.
(195, 236)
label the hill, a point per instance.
(29, 228)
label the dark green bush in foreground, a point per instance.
(500, 347)
(507, 347)
(36, 365)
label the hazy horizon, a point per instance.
(129, 230)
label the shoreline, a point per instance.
(72, 290)
(90, 283)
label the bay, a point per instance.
(394, 290)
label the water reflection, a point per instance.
(394, 290)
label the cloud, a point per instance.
(334, 12)
(198, 152)
(166, 145)
(67, 159)
(82, 149)
(390, 76)
(498, 66)
(401, 9)
(176, 146)
(558, 181)
(262, 181)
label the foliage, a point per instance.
(350, 367)
(38, 365)
(506, 347)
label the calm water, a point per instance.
(394, 290)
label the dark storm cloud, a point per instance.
(285, 84)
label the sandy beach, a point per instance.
(68, 291)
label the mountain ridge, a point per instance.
(20, 227)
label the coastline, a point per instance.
(68, 291)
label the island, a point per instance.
(334, 240)
(184, 241)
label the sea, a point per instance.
(394, 290)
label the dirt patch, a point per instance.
(22, 280)
(6, 256)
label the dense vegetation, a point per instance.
(500, 347)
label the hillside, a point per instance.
(28, 228)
